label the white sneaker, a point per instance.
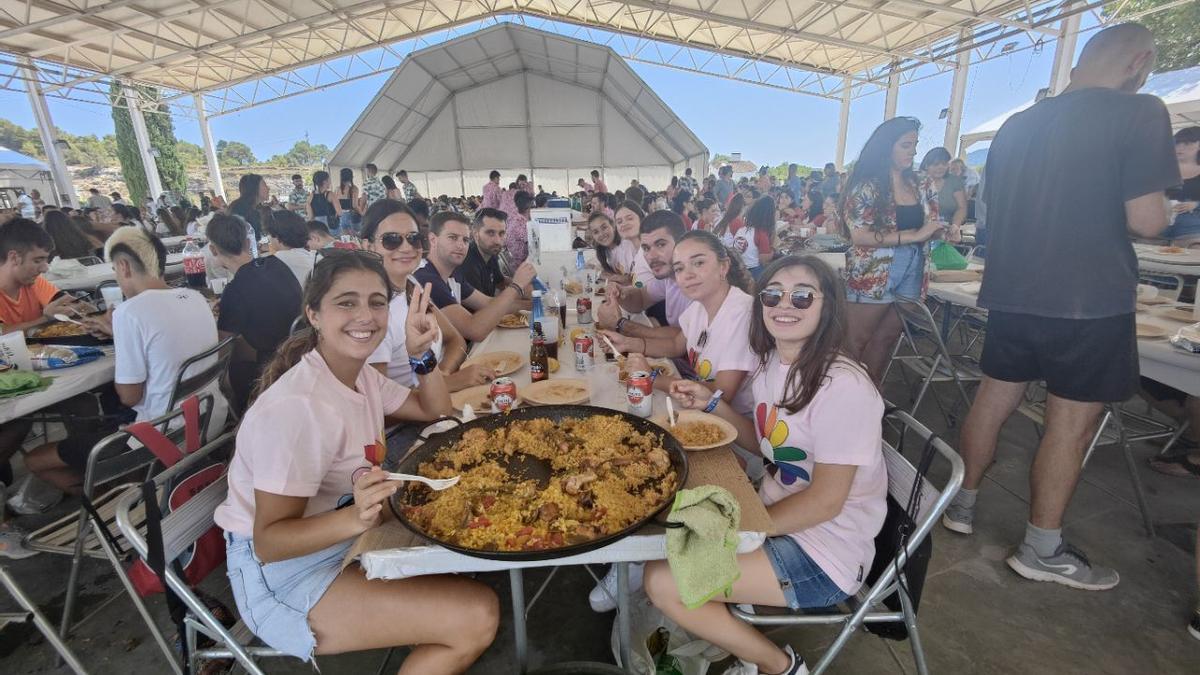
(31, 496)
(797, 667)
(603, 597)
(12, 543)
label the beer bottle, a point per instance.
(539, 361)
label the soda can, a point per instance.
(639, 390)
(503, 394)
(583, 352)
(583, 308)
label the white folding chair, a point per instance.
(875, 603)
(929, 359)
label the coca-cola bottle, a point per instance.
(193, 265)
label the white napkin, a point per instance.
(1146, 291)
(970, 286)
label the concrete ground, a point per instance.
(976, 615)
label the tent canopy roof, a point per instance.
(1179, 89)
(11, 159)
(511, 96)
(199, 45)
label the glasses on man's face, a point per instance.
(802, 298)
(393, 240)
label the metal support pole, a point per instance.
(1064, 53)
(623, 618)
(520, 635)
(134, 103)
(958, 93)
(893, 93)
(843, 125)
(41, 113)
(210, 149)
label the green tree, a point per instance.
(302, 153)
(161, 132)
(235, 153)
(1175, 30)
(190, 154)
(780, 171)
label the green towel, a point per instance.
(703, 553)
(18, 382)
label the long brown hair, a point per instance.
(822, 349)
(737, 275)
(734, 209)
(303, 340)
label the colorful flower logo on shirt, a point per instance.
(783, 462)
(703, 369)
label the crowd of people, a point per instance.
(359, 313)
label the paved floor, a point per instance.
(976, 617)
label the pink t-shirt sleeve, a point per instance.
(846, 419)
(391, 394)
(287, 446)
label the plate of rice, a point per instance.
(697, 430)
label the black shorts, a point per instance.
(75, 448)
(1091, 360)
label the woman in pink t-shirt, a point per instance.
(712, 336)
(817, 422)
(302, 488)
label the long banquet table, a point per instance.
(391, 551)
(1158, 360)
(67, 382)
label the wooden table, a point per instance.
(392, 551)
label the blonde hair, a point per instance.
(139, 244)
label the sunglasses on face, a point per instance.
(802, 298)
(393, 240)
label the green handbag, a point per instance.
(946, 257)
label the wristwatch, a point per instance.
(620, 322)
(425, 364)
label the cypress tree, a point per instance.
(161, 130)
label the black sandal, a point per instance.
(1179, 466)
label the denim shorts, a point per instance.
(905, 275)
(274, 599)
(804, 584)
(1185, 226)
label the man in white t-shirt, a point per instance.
(155, 330)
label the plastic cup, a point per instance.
(217, 285)
(112, 296)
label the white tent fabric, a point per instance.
(519, 100)
(26, 173)
(1179, 89)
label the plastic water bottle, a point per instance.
(537, 313)
(579, 262)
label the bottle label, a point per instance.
(193, 265)
(536, 372)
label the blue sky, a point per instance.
(767, 126)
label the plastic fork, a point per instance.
(433, 483)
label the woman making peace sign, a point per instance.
(302, 456)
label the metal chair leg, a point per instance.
(45, 627)
(1108, 415)
(84, 528)
(1134, 477)
(914, 637)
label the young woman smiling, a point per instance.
(390, 229)
(712, 333)
(300, 458)
(817, 422)
(614, 254)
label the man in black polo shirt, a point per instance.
(474, 313)
(1068, 182)
(258, 304)
(481, 267)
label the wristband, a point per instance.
(425, 364)
(620, 323)
(520, 291)
(714, 401)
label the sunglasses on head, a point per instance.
(393, 240)
(802, 298)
